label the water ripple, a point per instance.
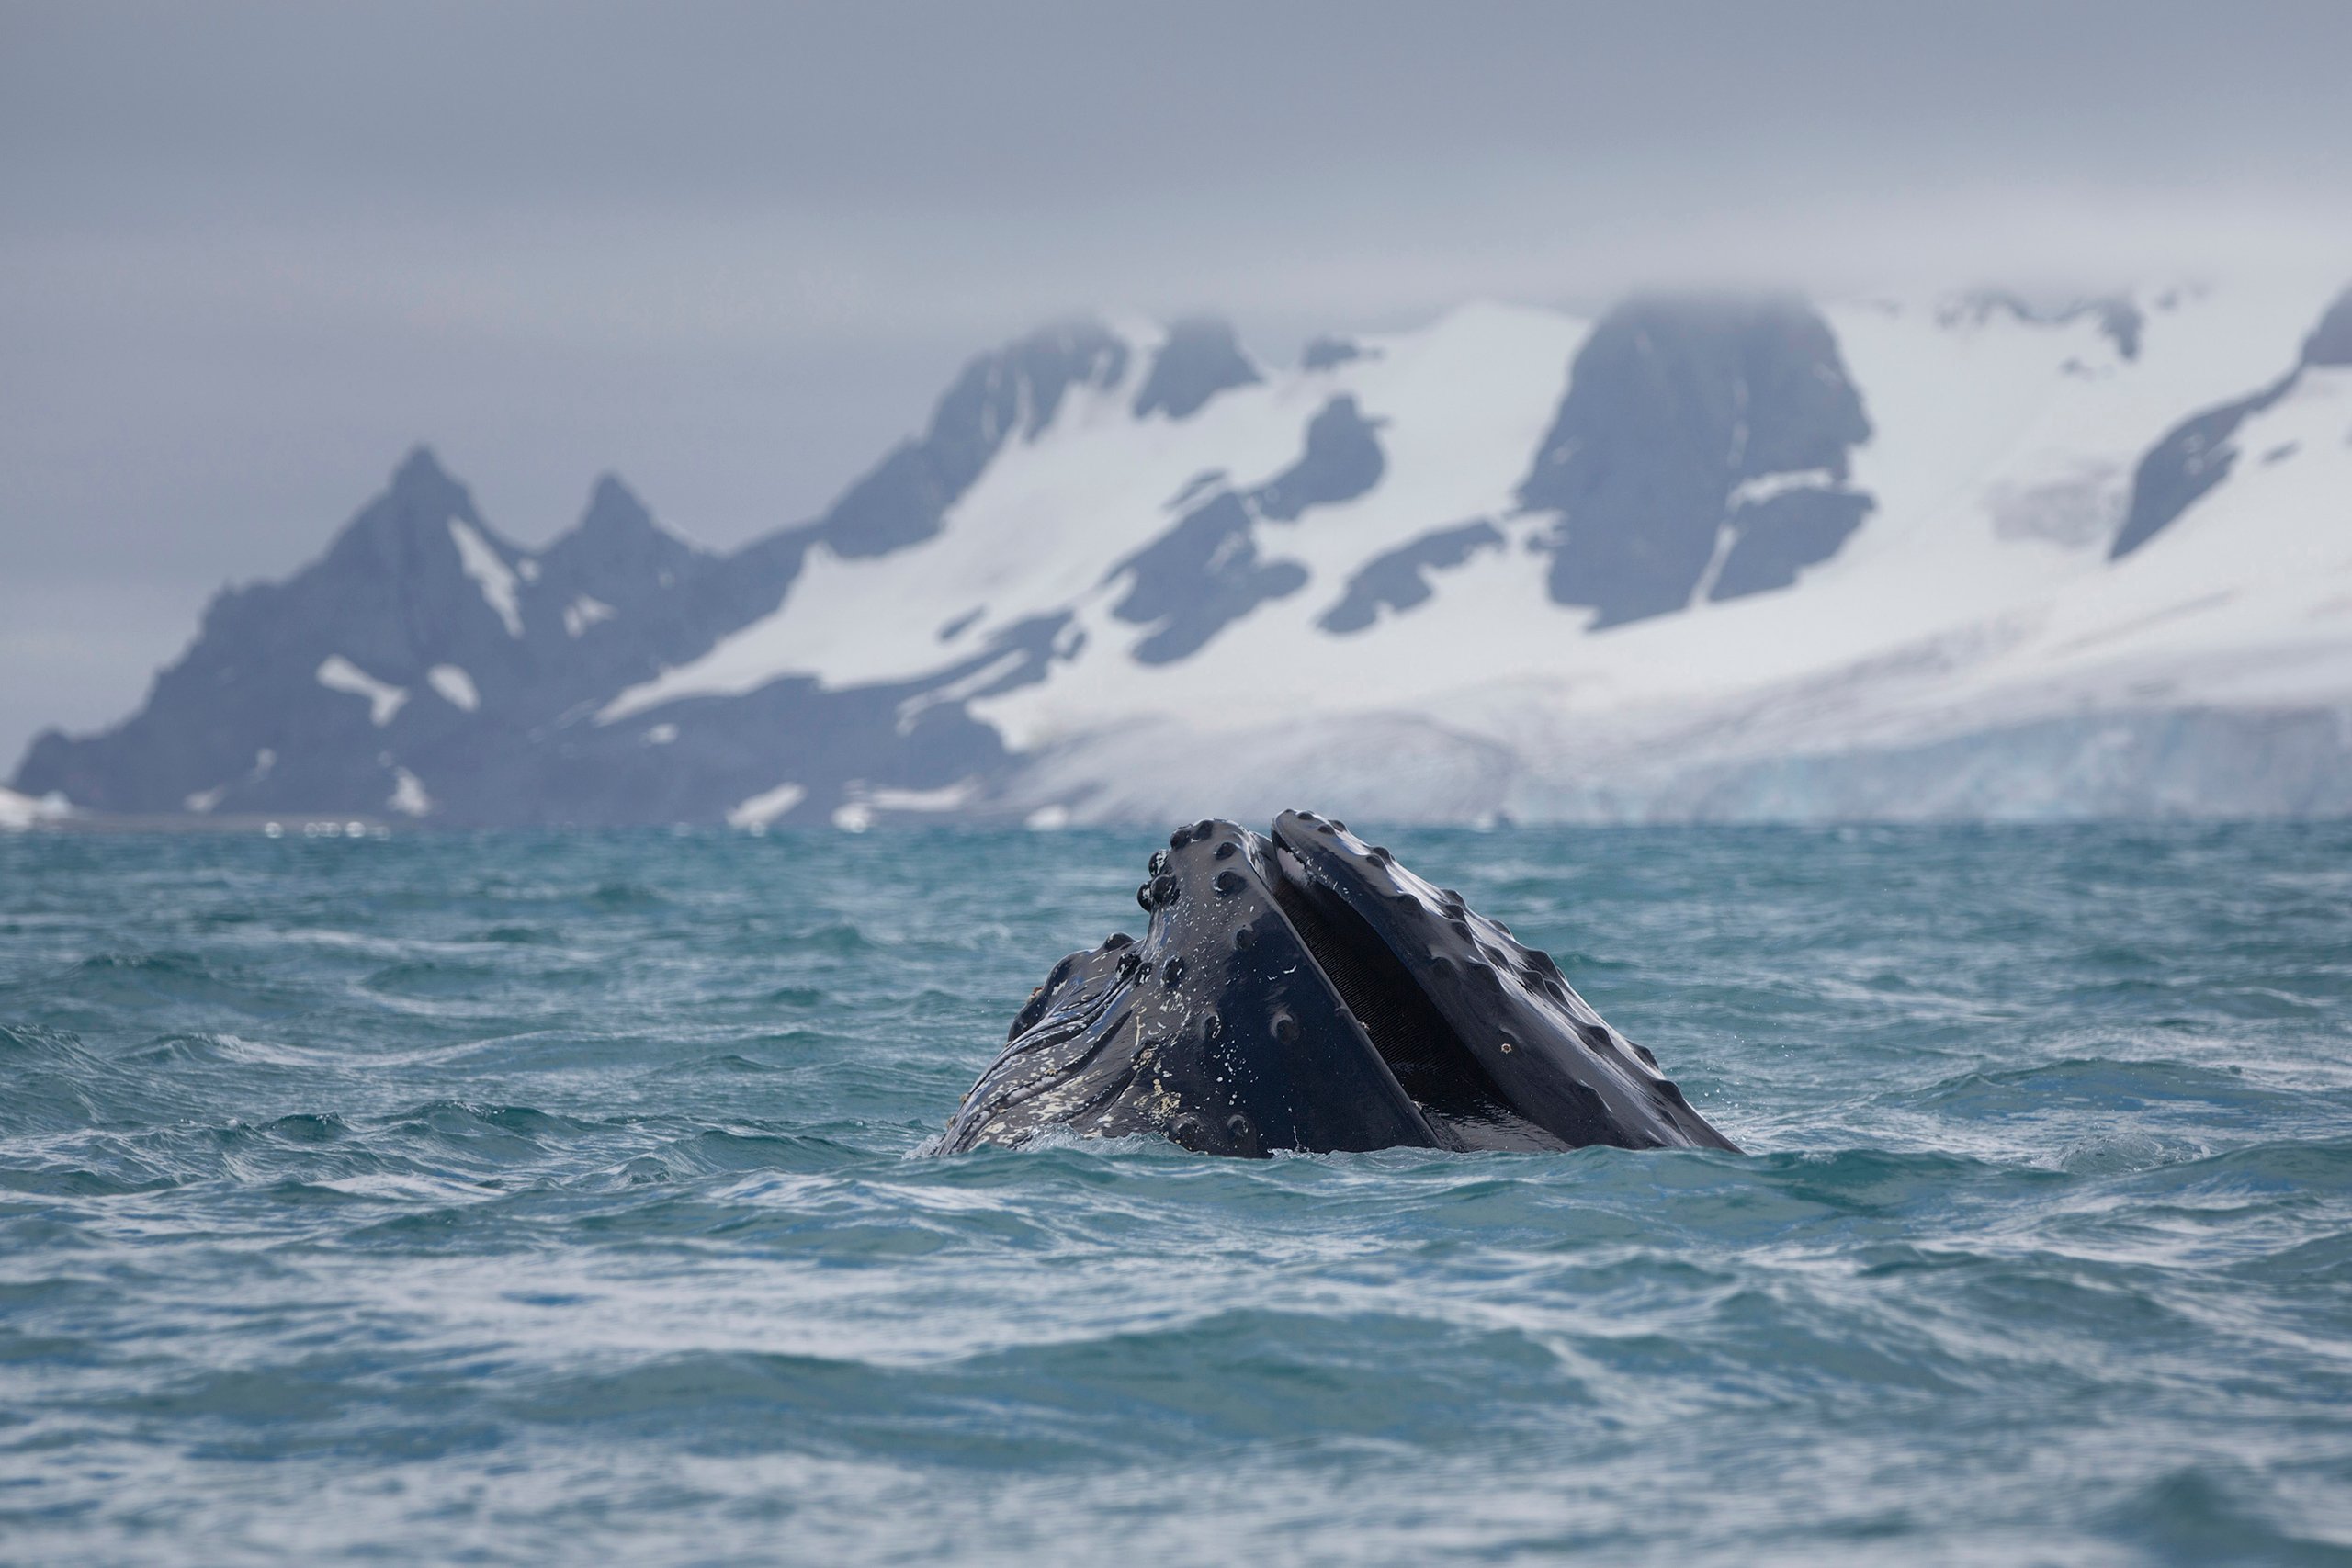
(548, 1198)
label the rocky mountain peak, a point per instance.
(406, 533)
(1016, 390)
(617, 553)
(614, 510)
(1200, 359)
(421, 473)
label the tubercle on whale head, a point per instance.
(1302, 990)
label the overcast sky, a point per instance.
(250, 254)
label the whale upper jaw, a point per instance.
(1303, 991)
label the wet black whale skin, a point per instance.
(1245, 1020)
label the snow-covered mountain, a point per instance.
(1698, 559)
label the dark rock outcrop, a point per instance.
(1016, 391)
(1206, 572)
(1398, 578)
(2331, 341)
(1199, 359)
(1672, 405)
(1775, 537)
(2197, 453)
(1198, 578)
(2194, 456)
(2119, 320)
(1342, 461)
(1323, 353)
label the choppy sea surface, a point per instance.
(551, 1198)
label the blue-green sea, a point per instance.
(556, 1199)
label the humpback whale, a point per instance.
(1302, 990)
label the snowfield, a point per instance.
(1130, 572)
(1977, 596)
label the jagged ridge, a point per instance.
(1698, 558)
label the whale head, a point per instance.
(1303, 991)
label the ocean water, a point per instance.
(547, 1199)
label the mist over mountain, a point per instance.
(1696, 558)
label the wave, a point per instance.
(2096, 1084)
(335, 1189)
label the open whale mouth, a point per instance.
(1430, 1060)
